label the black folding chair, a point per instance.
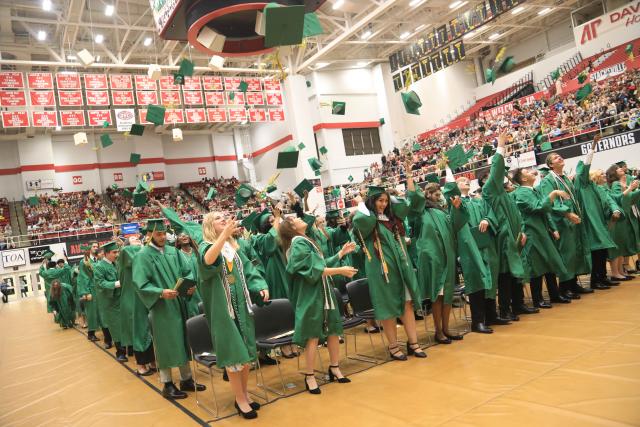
(202, 349)
(360, 301)
(201, 307)
(350, 323)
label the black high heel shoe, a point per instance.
(397, 354)
(255, 405)
(413, 349)
(311, 390)
(252, 414)
(333, 377)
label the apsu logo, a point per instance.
(590, 32)
(125, 115)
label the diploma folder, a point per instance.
(483, 240)
(183, 285)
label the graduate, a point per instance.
(61, 303)
(49, 271)
(156, 270)
(229, 278)
(109, 290)
(380, 232)
(317, 316)
(188, 249)
(87, 292)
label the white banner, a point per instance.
(125, 118)
(605, 73)
(13, 258)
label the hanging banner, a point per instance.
(68, 80)
(42, 98)
(606, 143)
(253, 84)
(11, 80)
(69, 118)
(40, 80)
(125, 118)
(118, 177)
(192, 83)
(97, 97)
(173, 115)
(232, 83)
(238, 98)
(44, 119)
(12, 98)
(192, 97)
(274, 98)
(270, 84)
(212, 83)
(122, 97)
(70, 98)
(255, 98)
(195, 115)
(98, 117)
(145, 83)
(257, 115)
(508, 107)
(15, 119)
(147, 97)
(216, 115)
(166, 83)
(276, 115)
(95, 81)
(121, 81)
(170, 97)
(214, 98)
(237, 114)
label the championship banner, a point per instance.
(67, 80)
(173, 115)
(11, 80)
(238, 98)
(121, 81)
(214, 98)
(237, 114)
(15, 119)
(166, 83)
(40, 80)
(195, 115)
(232, 83)
(44, 119)
(272, 85)
(12, 98)
(216, 115)
(122, 97)
(125, 118)
(253, 84)
(170, 97)
(70, 98)
(147, 97)
(256, 98)
(192, 97)
(98, 117)
(257, 115)
(42, 98)
(192, 83)
(274, 98)
(145, 83)
(276, 115)
(97, 97)
(95, 81)
(72, 118)
(212, 83)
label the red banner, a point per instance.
(145, 83)
(202, 171)
(11, 80)
(158, 176)
(270, 84)
(40, 80)
(76, 179)
(214, 98)
(97, 97)
(122, 97)
(257, 115)
(237, 114)
(216, 115)
(255, 98)
(172, 115)
(143, 117)
(238, 98)
(274, 98)
(70, 98)
(68, 80)
(117, 177)
(95, 81)
(508, 107)
(166, 83)
(195, 115)
(192, 83)
(192, 97)
(146, 97)
(44, 119)
(72, 118)
(12, 98)
(121, 81)
(276, 115)
(98, 117)
(231, 83)
(253, 84)
(42, 98)
(15, 119)
(212, 83)
(170, 97)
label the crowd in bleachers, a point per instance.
(173, 197)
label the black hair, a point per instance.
(265, 227)
(370, 203)
(516, 176)
(51, 264)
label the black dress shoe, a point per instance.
(145, 373)
(266, 360)
(93, 338)
(190, 385)
(542, 304)
(621, 279)
(600, 286)
(499, 321)
(171, 392)
(610, 282)
(514, 317)
(580, 290)
(561, 300)
(481, 328)
(443, 341)
(571, 295)
(523, 309)
(122, 358)
(629, 277)
(252, 414)
(107, 345)
(225, 376)
(454, 337)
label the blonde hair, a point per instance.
(594, 174)
(208, 231)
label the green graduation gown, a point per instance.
(246, 246)
(434, 236)
(508, 216)
(86, 286)
(626, 230)
(268, 248)
(191, 261)
(106, 275)
(540, 254)
(128, 297)
(232, 327)
(478, 210)
(573, 245)
(50, 274)
(154, 271)
(64, 307)
(317, 312)
(387, 294)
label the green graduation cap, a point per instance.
(134, 158)
(301, 146)
(323, 150)
(34, 201)
(114, 186)
(211, 194)
(537, 138)
(381, 121)
(546, 146)
(142, 187)
(155, 114)
(309, 219)
(555, 74)
(284, 25)
(186, 68)
(110, 246)
(139, 199)
(432, 177)
(621, 163)
(338, 108)
(53, 202)
(490, 75)
(156, 224)
(105, 140)
(288, 158)
(136, 129)
(416, 147)
(243, 86)
(487, 149)
(85, 248)
(48, 254)
(350, 178)
(374, 190)
(308, 83)
(469, 154)
(507, 65)
(411, 102)
(271, 188)
(248, 222)
(451, 189)
(456, 157)
(629, 49)
(302, 186)
(232, 96)
(312, 26)
(260, 219)
(582, 77)
(178, 79)
(105, 124)
(127, 193)
(544, 171)
(583, 92)
(334, 213)
(243, 194)
(317, 173)
(335, 192)
(314, 163)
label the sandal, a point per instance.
(397, 354)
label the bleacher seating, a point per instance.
(170, 197)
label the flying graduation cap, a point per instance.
(411, 102)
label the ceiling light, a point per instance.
(517, 10)
(46, 5)
(337, 4)
(98, 58)
(421, 27)
(99, 38)
(72, 57)
(405, 35)
(366, 35)
(42, 35)
(321, 65)
(455, 4)
(494, 36)
(544, 11)
(109, 10)
(147, 41)
(414, 3)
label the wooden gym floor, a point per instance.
(573, 365)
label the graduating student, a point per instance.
(317, 314)
(539, 253)
(395, 293)
(229, 278)
(156, 270)
(61, 303)
(109, 291)
(87, 292)
(188, 249)
(49, 271)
